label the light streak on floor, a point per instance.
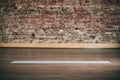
(60, 62)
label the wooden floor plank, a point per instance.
(10, 71)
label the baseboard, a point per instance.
(59, 45)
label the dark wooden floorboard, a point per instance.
(10, 71)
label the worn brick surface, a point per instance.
(60, 21)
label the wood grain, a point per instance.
(59, 71)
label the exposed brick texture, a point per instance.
(60, 21)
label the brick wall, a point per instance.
(59, 21)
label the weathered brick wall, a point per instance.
(59, 21)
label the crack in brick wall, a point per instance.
(59, 21)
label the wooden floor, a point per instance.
(10, 71)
